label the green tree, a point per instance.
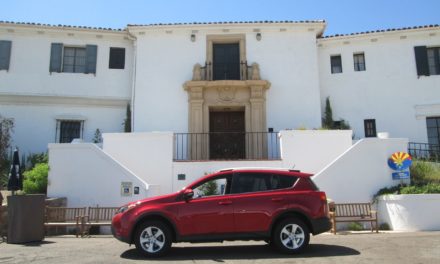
(6, 130)
(327, 121)
(127, 120)
(98, 136)
(35, 180)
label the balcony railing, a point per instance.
(226, 146)
(207, 73)
(424, 151)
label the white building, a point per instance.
(64, 82)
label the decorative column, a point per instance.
(196, 141)
(258, 140)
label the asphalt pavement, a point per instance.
(402, 248)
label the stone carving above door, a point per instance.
(226, 93)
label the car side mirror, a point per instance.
(188, 194)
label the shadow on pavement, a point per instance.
(37, 243)
(219, 253)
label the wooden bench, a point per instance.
(64, 217)
(353, 212)
(96, 216)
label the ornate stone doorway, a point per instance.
(249, 96)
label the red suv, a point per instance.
(279, 206)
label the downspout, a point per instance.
(133, 78)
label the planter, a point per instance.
(410, 212)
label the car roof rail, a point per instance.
(258, 168)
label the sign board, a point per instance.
(400, 175)
(126, 188)
(400, 162)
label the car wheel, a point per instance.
(153, 238)
(291, 236)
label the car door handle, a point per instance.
(277, 199)
(225, 202)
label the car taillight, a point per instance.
(324, 203)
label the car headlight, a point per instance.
(125, 208)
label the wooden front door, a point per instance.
(226, 64)
(227, 135)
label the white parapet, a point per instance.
(358, 173)
(89, 177)
(312, 150)
(410, 212)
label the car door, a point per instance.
(208, 213)
(258, 197)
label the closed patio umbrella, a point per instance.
(15, 181)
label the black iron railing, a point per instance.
(424, 151)
(226, 146)
(207, 72)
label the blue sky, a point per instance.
(342, 16)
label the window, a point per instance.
(73, 59)
(433, 128)
(68, 130)
(117, 58)
(427, 60)
(212, 187)
(258, 182)
(226, 61)
(5, 54)
(359, 62)
(370, 127)
(336, 64)
(433, 60)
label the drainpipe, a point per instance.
(133, 80)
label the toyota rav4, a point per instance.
(281, 207)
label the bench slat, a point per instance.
(353, 212)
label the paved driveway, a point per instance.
(421, 247)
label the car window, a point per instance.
(282, 181)
(216, 186)
(258, 182)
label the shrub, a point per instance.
(354, 226)
(425, 189)
(33, 159)
(35, 180)
(424, 172)
(384, 226)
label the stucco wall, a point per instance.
(35, 98)
(410, 212)
(389, 90)
(312, 150)
(358, 173)
(148, 155)
(165, 60)
(354, 174)
(35, 124)
(87, 176)
(30, 57)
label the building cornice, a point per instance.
(26, 28)
(317, 26)
(30, 99)
(378, 33)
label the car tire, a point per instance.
(153, 238)
(291, 236)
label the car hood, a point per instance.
(160, 199)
